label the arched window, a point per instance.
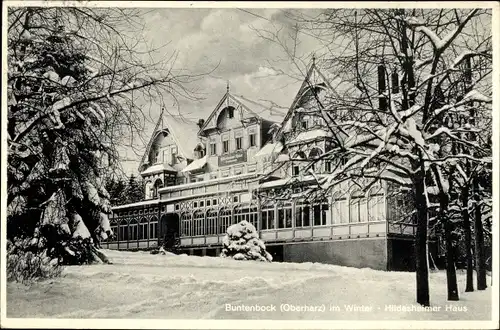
(224, 220)
(358, 210)
(186, 219)
(123, 231)
(158, 184)
(114, 229)
(376, 204)
(296, 166)
(212, 221)
(149, 190)
(153, 224)
(132, 230)
(143, 229)
(314, 154)
(200, 150)
(340, 211)
(198, 223)
(302, 213)
(247, 212)
(321, 213)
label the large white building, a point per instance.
(245, 161)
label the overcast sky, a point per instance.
(224, 40)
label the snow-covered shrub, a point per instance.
(242, 243)
(26, 263)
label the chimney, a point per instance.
(201, 122)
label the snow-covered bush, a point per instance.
(242, 243)
(25, 262)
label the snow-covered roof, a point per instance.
(269, 148)
(141, 203)
(158, 168)
(196, 164)
(309, 135)
(249, 108)
(268, 112)
(184, 133)
(207, 182)
(289, 180)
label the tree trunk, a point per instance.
(451, 274)
(479, 239)
(421, 261)
(468, 239)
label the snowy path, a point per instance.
(139, 285)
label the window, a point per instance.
(202, 203)
(302, 216)
(339, 209)
(238, 143)
(186, 224)
(268, 216)
(224, 220)
(198, 225)
(303, 123)
(358, 211)
(328, 166)
(123, 231)
(195, 204)
(230, 112)
(246, 213)
(295, 170)
(253, 140)
(225, 146)
(211, 222)
(236, 199)
(285, 215)
(208, 202)
(214, 201)
(376, 205)
(213, 148)
(314, 154)
(173, 155)
(252, 168)
(132, 230)
(321, 213)
(143, 229)
(153, 223)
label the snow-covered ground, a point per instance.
(141, 285)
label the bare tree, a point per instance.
(395, 108)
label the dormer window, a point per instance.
(304, 123)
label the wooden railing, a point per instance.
(338, 231)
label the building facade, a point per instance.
(250, 162)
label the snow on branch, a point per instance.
(476, 96)
(441, 44)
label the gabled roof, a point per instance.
(248, 109)
(270, 112)
(183, 132)
(314, 77)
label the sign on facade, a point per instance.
(236, 157)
